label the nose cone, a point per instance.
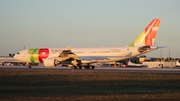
(16, 57)
(21, 57)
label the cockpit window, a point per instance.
(18, 53)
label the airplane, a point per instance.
(177, 64)
(130, 64)
(85, 57)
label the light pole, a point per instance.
(161, 55)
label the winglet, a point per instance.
(68, 48)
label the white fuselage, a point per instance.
(86, 54)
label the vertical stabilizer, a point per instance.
(147, 37)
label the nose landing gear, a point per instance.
(28, 65)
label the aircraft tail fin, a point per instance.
(147, 37)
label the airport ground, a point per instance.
(103, 84)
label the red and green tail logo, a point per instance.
(147, 37)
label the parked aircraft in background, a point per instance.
(84, 57)
(130, 64)
(177, 63)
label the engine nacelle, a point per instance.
(50, 62)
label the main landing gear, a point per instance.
(89, 67)
(85, 67)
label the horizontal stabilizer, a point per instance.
(162, 46)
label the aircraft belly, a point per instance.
(93, 59)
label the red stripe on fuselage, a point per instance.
(43, 53)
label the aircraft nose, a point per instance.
(15, 57)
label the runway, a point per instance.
(98, 69)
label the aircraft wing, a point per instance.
(67, 54)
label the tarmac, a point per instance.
(97, 69)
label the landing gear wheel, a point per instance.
(75, 67)
(28, 65)
(80, 67)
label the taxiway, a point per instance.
(98, 69)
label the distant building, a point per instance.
(160, 64)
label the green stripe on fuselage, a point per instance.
(33, 55)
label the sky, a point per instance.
(87, 23)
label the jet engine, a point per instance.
(50, 62)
